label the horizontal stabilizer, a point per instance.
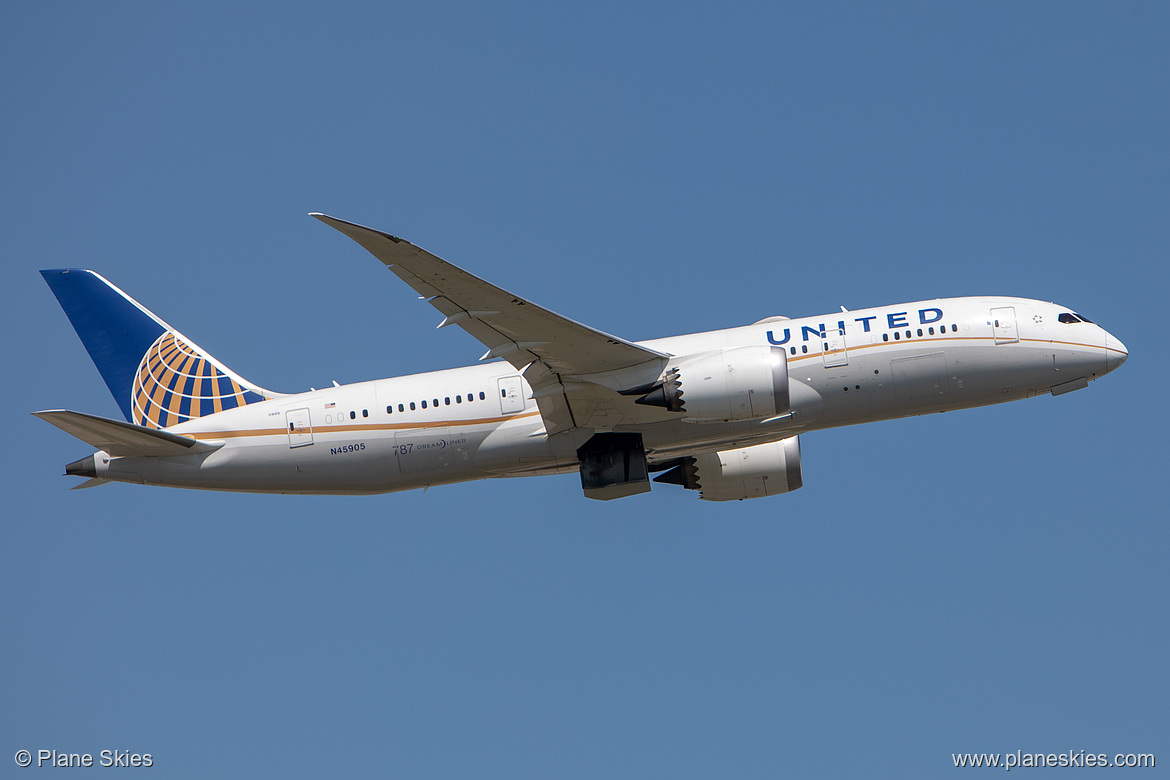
(92, 483)
(122, 439)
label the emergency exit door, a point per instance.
(511, 395)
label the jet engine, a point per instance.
(738, 383)
(733, 475)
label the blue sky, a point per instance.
(989, 580)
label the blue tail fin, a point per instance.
(158, 377)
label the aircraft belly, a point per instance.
(922, 379)
(368, 464)
(521, 447)
(1068, 364)
(1006, 372)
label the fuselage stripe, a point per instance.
(323, 429)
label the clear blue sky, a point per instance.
(988, 580)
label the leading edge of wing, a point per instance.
(511, 327)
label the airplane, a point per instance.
(719, 412)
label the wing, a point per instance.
(574, 370)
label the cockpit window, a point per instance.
(1068, 317)
(1085, 319)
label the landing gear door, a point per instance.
(1003, 325)
(511, 395)
(300, 431)
(833, 350)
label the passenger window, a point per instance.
(909, 334)
(897, 336)
(932, 330)
(458, 399)
(793, 349)
(390, 409)
(401, 409)
(482, 396)
(920, 331)
(447, 401)
(424, 404)
(365, 412)
(885, 337)
(436, 402)
(412, 406)
(804, 348)
(353, 415)
(954, 328)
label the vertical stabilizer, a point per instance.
(158, 377)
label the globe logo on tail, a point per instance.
(175, 383)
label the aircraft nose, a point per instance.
(1115, 352)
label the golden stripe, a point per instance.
(359, 428)
(164, 380)
(142, 395)
(152, 415)
(924, 339)
(184, 369)
(183, 361)
(154, 362)
(1074, 344)
(201, 373)
(178, 390)
(157, 366)
(156, 396)
(168, 348)
(184, 346)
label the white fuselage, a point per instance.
(477, 422)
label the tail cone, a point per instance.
(86, 467)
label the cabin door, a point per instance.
(300, 431)
(833, 350)
(1003, 325)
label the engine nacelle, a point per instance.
(733, 384)
(733, 475)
